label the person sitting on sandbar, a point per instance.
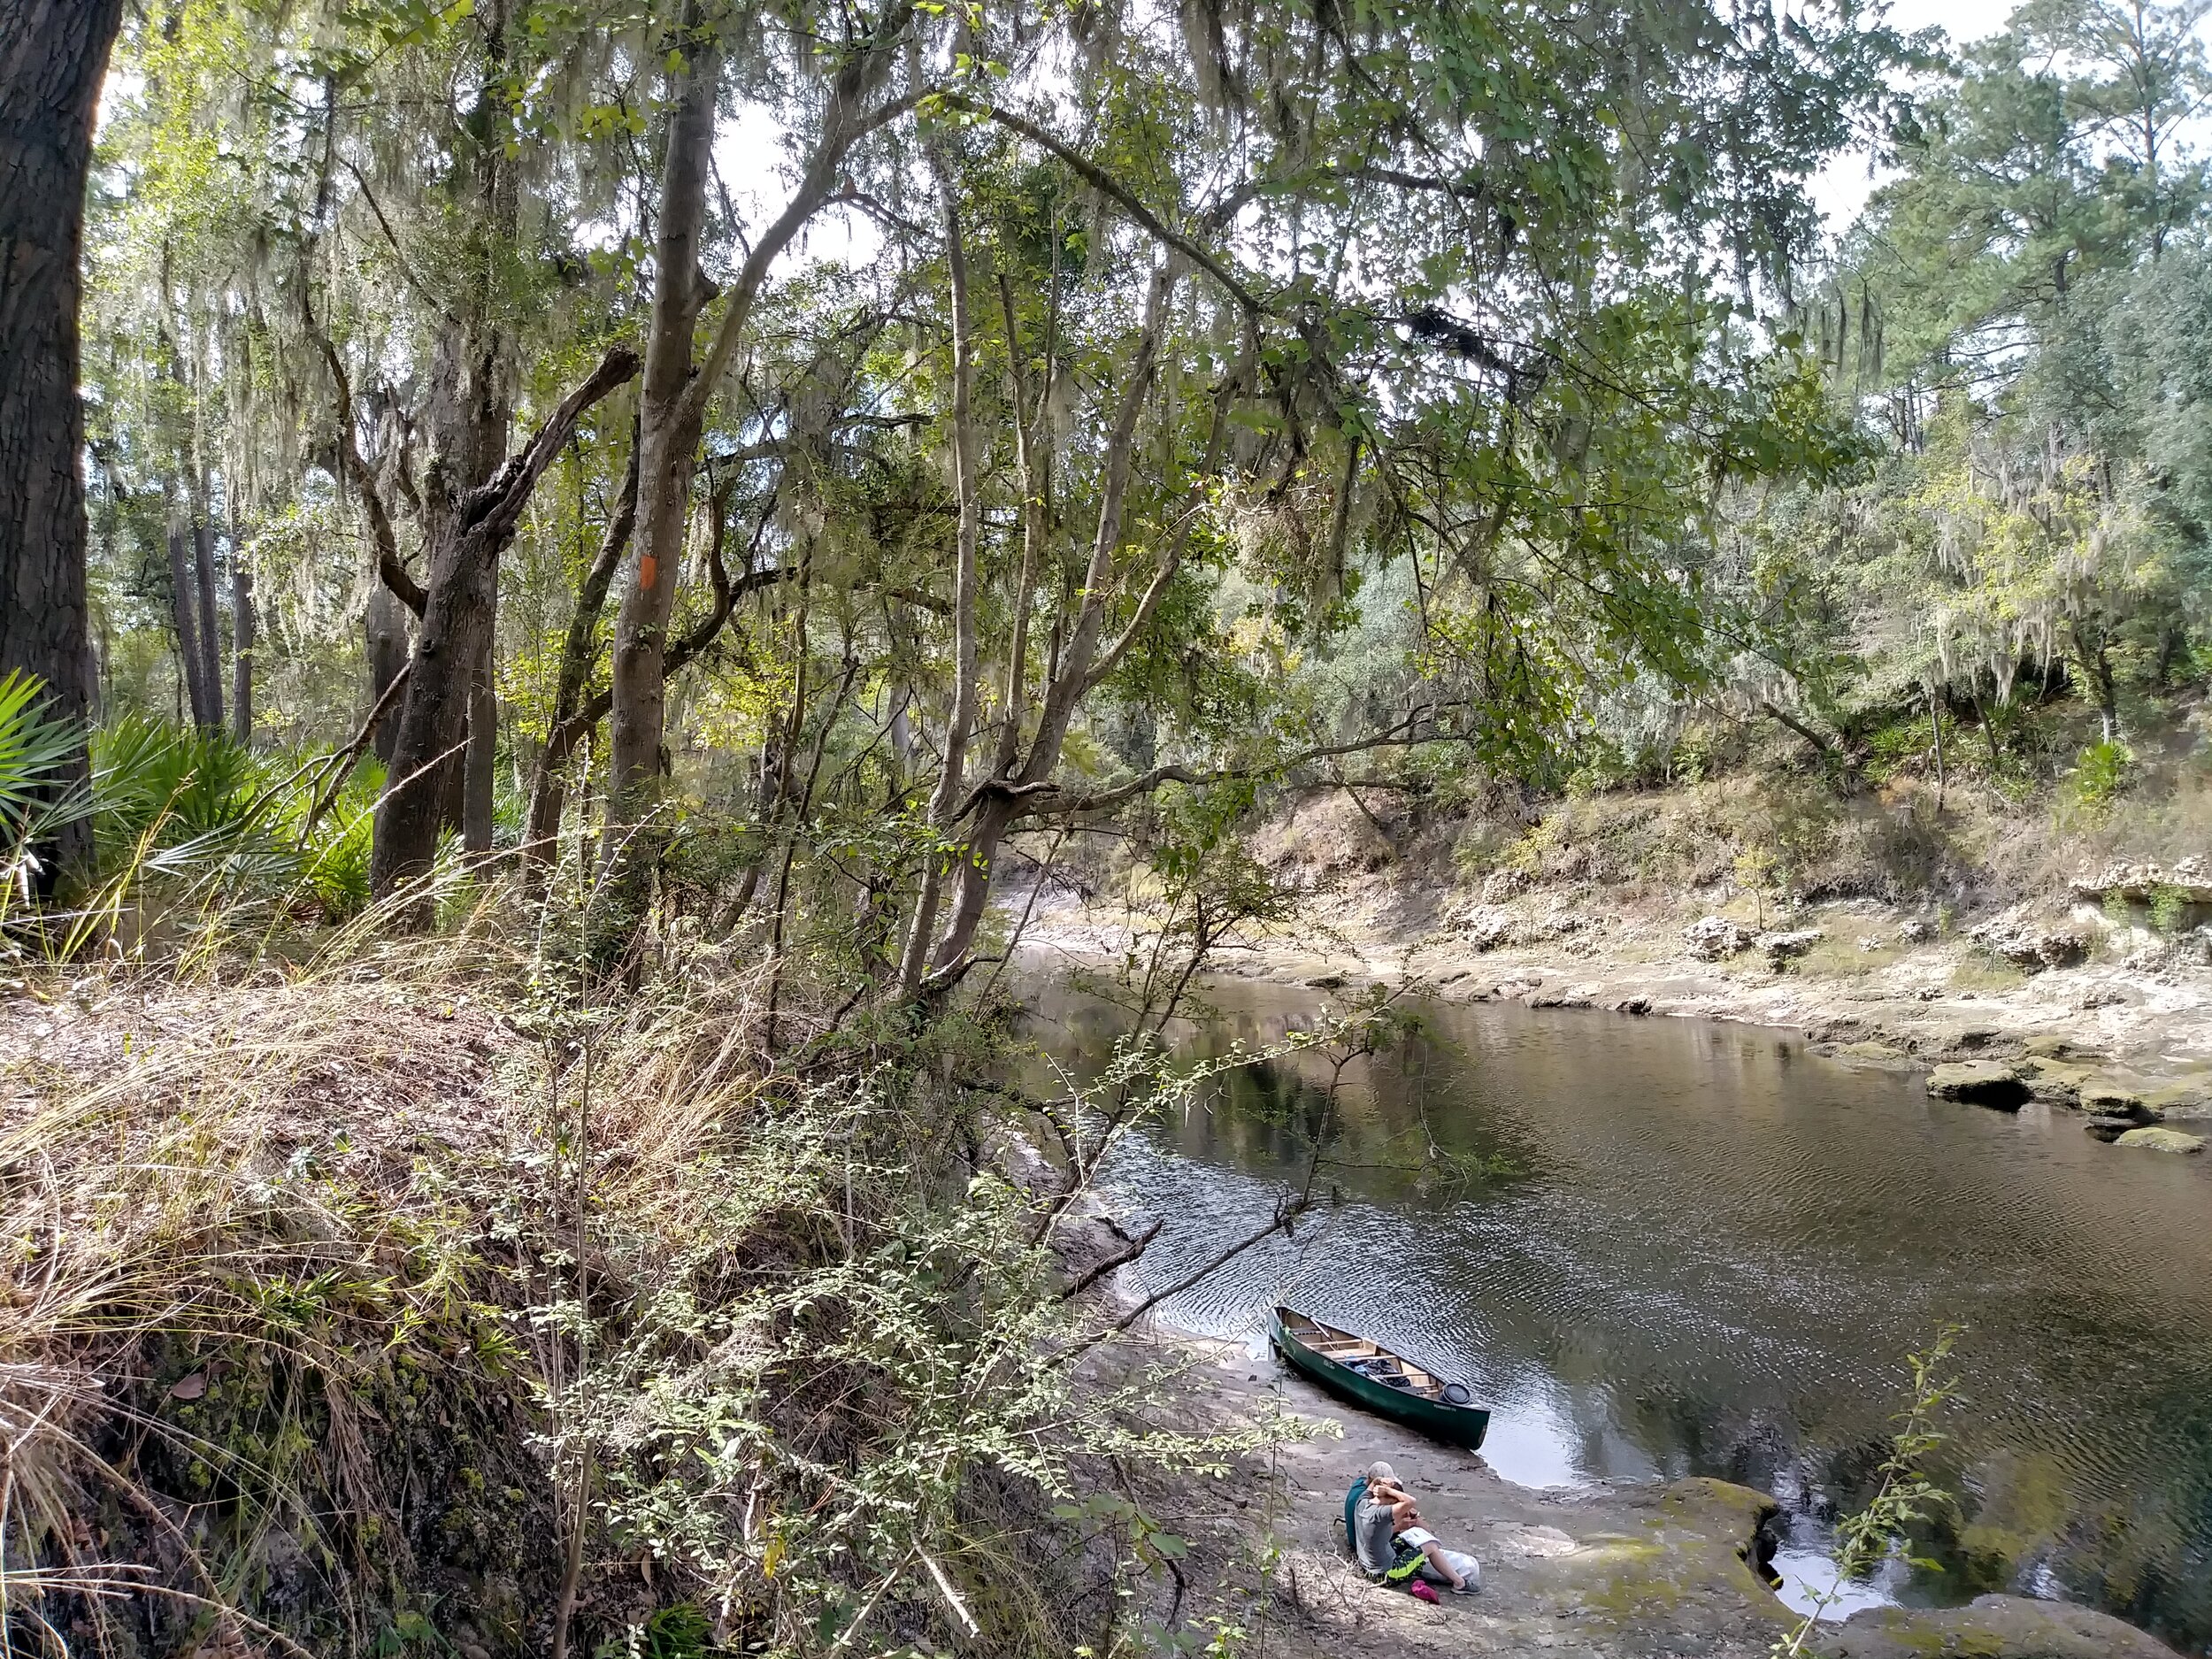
(1393, 1545)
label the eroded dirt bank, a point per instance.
(1659, 1569)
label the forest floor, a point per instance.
(1616, 1571)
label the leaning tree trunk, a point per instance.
(676, 397)
(53, 54)
(946, 796)
(1081, 666)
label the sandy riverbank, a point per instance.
(1609, 1570)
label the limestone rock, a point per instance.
(2053, 1081)
(1556, 922)
(1781, 947)
(1500, 885)
(1713, 937)
(2027, 946)
(1969, 1037)
(2134, 883)
(2108, 1099)
(2161, 1140)
(2110, 1129)
(1486, 927)
(1870, 1052)
(1983, 1082)
(1916, 931)
(1991, 1627)
(2187, 1099)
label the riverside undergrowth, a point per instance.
(446, 1295)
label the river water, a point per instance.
(1660, 1248)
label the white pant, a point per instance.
(1461, 1562)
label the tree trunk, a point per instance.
(549, 787)
(457, 622)
(1935, 725)
(433, 726)
(185, 613)
(667, 447)
(950, 779)
(243, 626)
(2095, 650)
(1077, 666)
(479, 790)
(53, 54)
(389, 648)
(674, 408)
(210, 630)
(473, 407)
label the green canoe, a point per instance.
(1354, 1368)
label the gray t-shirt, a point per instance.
(1372, 1535)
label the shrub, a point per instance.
(2168, 907)
(34, 749)
(2100, 774)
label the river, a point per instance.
(1659, 1247)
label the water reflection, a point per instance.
(1661, 1247)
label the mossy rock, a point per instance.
(2191, 1098)
(1991, 1627)
(2109, 1099)
(1983, 1082)
(2054, 1080)
(2161, 1140)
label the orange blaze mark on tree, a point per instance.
(648, 568)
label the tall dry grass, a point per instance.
(415, 1289)
(233, 1204)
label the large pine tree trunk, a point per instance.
(53, 54)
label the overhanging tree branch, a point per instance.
(1101, 180)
